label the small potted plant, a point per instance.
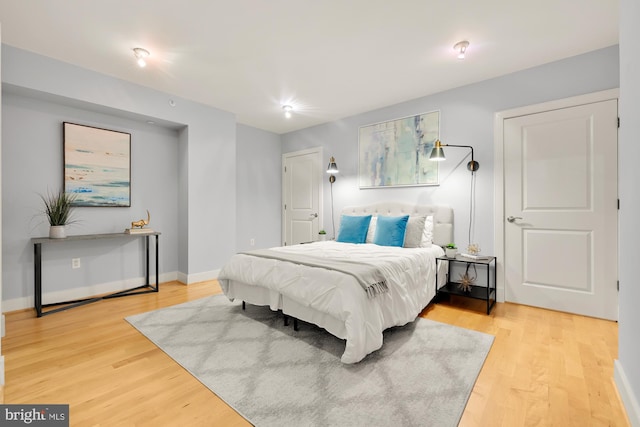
(322, 235)
(451, 250)
(58, 208)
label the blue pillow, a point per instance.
(390, 230)
(353, 229)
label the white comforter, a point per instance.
(410, 275)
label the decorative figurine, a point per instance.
(141, 223)
(140, 226)
(473, 249)
(466, 280)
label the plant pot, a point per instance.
(57, 232)
(322, 237)
(451, 253)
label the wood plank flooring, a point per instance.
(545, 368)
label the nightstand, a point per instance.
(487, 293)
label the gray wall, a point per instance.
(183, 201)
(32, 164)
(2, 328)
(466, 118)
(627, 367)
(259, 185)
(203, 170)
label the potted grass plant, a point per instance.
(58, 208)
(451, 250)
(322, 235)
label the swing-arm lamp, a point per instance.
(437, 154)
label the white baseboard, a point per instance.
(629, 399)
(200, 277)
(83, 292)
(183, 278)
(104, 288)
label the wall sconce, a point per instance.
(437, 154)
(140, 55)
(461, 48)
(331, 169)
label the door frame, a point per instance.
(498, 161)
(320, 152)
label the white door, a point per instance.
(301, 190)
(561, 201)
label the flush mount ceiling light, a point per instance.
(287, 110)
(461, 48)
(140, 55)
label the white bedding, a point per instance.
(335, 300)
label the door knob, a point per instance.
(513, 218)
(313, 215)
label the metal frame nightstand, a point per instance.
(487, 293)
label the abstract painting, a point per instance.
(396, 153)
(97, 165)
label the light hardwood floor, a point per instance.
(545, 368)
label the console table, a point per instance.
(37, 260)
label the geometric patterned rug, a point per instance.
(275, 376)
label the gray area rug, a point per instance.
(275, 376)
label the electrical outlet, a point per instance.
(75, 263)
(252, 242)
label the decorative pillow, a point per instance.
(353, 229)
(372, 229)
(415, 232)
(390, 230)
(427, 236)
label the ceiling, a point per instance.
(329, 59)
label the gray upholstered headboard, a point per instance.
(442, 216)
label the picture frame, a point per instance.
(97, 165)
(396, 153)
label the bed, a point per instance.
(336, 301)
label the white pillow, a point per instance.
(372, 229)
(415, 232)
(427, 235)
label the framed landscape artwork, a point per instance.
(396, 153)
(97, 165)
